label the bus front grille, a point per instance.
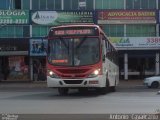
(73, 81)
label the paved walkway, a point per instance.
(42, 84)
(37, 84)
(130, 83)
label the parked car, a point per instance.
(152, 82)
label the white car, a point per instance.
(152, 82)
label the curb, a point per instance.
(23, 85)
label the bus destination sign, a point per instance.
(74, 31)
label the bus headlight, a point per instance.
(95, 73)
(52, 74)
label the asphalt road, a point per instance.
(41, 100)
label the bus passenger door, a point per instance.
(104, 60)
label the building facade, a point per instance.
(132, 26)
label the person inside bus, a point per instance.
(76, 60)
(78, 53)
(94, 53)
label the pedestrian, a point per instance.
(6, 72)
(35, 72)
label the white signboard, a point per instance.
(135, 43)
(82, 4)
(44, 17)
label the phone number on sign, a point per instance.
(11, 21)
(153, 40)
(133, 117)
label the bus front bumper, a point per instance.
(76, 83)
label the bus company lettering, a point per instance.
(14, 13)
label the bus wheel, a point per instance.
(105, 89)
(63, 91)
(113, 89)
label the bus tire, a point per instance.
(63, 91)
(105, 89)
(113, 89)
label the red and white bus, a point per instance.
(81, 56)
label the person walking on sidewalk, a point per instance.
(6, 72)
(35, 72)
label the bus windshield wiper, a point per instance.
(81, 42)
(64, 43)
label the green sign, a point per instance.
(61, 17)
(14, 16)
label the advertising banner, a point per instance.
(61, 17)
(127, 17)
(132, 43)
(18, 70)
(14, 17)
(38, 47)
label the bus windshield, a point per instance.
(74, 51)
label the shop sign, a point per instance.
(14, 17)
(8, 48)
(132, 43)
(127, 17)
(38, 47)
(61, 17)
(82, 3)
(13, 44)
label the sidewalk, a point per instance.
(25, 85)
(131, 83)
(43, 84)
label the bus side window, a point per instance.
(104, 46)
(112, 55)
(107, 48)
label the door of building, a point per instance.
(4, 68)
